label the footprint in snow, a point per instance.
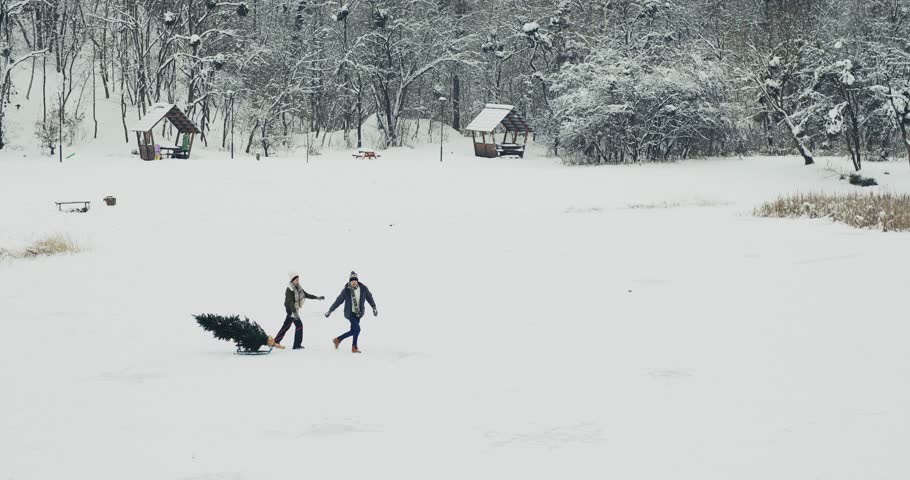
(126, 375)
(669, 374)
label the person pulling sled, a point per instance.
(353, 295)
(294, 296)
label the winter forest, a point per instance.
(609, 81)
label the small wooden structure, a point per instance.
(508, 121)
(186, 132)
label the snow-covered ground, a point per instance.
(535, 321)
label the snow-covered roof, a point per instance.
(493, 114)
(158, 112)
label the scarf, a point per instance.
(299, 298)
(355, 305)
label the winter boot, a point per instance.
(355, 350)
(272, 343)
(336, 342)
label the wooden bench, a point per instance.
(85, 206)
(505, 149)
(176, 152)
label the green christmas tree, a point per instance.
(248, 335)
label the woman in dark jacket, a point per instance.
(354, 295)
(294, 296)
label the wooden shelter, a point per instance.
(186, 132)
(504, 118)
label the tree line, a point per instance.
(604, 81)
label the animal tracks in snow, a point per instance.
(127, 375)
(561, 436)
(669, 374)
(574, 209)
(697, 202)
(662, 204)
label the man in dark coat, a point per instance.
(294, 296)
(354, 295)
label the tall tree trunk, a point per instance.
(899, 119)
(249, 142)
(456, 101)
(360, 121)
(94, 96)
(126, 131)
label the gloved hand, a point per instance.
(375, 312)
(327, 314)
(322, 298)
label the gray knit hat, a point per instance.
(352, 277)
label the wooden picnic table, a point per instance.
(367, 154)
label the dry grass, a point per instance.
(881, 211)
(677, 204)
(56, 244)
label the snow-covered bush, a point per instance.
(48, 132)
(380, 17)
(613, 109)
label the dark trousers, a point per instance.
(298, 333)
(353, 332)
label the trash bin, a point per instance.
(110, 201)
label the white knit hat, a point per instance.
(291, 276)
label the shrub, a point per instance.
(48, 131)
(859, 180)
(52, 245)
(887, 212)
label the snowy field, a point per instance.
(535, 321)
